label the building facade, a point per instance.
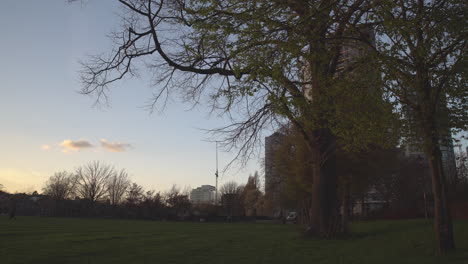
(204, 194)
(274, 181)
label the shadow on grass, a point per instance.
(373, 229)
(99, 239)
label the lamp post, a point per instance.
(216, 174)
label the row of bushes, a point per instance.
(41, 205)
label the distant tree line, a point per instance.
(100, 190)
(97, 189)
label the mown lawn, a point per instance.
(68, 240)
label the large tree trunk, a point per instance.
(324, 212)
(324, 218)
(345, 195)
(442, 217)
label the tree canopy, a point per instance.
(315, 65)
(255, 58)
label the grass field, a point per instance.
(68, 240)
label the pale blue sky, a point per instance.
(41, 43)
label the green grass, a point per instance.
(68, 240)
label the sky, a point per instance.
(47, 126)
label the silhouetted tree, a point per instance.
(229, 188)
(153, 199)
(153, 205)
(60, 186)
(232, 199)
(134, 194)
(251, 194)
(92, 180)
(117, 186)
(177, 200)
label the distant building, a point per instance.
(448, 160)
(449, 165)
(273, 179)
(204, 194)
(372, 201)
(350, 51)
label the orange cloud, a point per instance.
(45, 147)
(70, 145)
(115, 146)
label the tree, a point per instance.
(117, 186)
(230, 187)
(358, 170)
(92, 180)
(135, 194)
(422, 55)
(61, 185)
(153, 204)
(231, 198)
(462, 173)
(410, 187)
(252, 194)
(271, 61)
(177, 200)
(293, 162)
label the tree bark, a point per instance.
(324, 219)
(345, 203)
(442, 217)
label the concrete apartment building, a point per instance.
(413, 148)
(204, 194)
(448, 157)
(273, 179)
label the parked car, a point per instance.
(292, 217)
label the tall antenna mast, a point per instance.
(216, 174)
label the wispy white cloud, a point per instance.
(115, 146)
(71, 145)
